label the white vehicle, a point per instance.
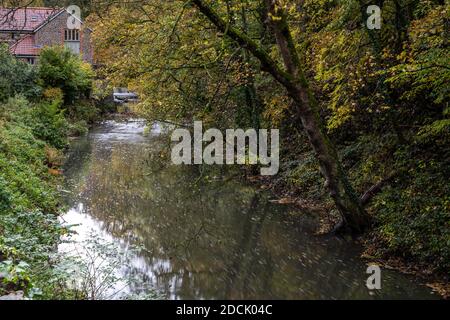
(122, 95)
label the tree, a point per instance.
(292, 78)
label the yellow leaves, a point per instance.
(87, 68)
(342, 111)
(54, 157)
(274, 18)
(53, 94)
(276, 107)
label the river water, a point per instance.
(205, 234)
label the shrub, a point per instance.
(413, 215)
(59, 68)
(32, 133)
(29, 228)
(5, 196)
(16, 77)
(53, 94)
(83, 111)
(49, 123)
(77, 129)
(23, 171)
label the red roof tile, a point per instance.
(25, 47)
(25, 19)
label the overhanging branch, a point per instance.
(269, 64)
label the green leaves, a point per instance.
(14, 274)
(59, 68)
(16, 77)
(27, 234)
(436, 129)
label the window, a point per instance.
(71, 35)
(72, 40)
(31, 60)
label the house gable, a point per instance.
(49, 30)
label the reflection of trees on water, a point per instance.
(209, 239)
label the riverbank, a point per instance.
(31, 179)
(41, 106)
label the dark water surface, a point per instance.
(209, 238)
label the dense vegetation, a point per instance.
(369, 108)
(363, 114)
(35, 120)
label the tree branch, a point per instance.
(375, 189)
(269, 64)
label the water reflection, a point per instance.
(206, 240)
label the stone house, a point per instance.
(28, 30)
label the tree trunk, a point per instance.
(293, 80)
(339, 188)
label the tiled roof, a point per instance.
(25, 47)
(25, 19)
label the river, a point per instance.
(205, 234)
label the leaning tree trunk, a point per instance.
(347, 202)
(293, 80)
(340, 190)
